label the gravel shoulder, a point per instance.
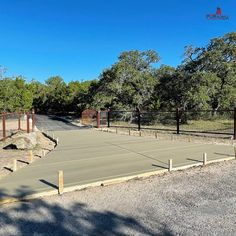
(198, 201)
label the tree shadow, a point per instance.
(41, 217)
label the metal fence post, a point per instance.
(19, 116)
(177, 120)
(98, 119)
(235, 123)
(27, 120)
(139, 120)
(4, 125)
(108, 118)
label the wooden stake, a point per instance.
(140, 133)
(170, 166)
(43, 153)
(60, 182)
(30, 156)
(189, 138)
(14, 165)
(235, 151)
(204, 159)
(155, 134)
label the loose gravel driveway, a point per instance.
(199, 201)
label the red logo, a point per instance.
(218, 11)
(217, 16)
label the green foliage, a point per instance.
(15, 95)
(206, 79)
(129, 83)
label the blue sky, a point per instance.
(78, 39)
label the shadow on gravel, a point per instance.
(38, 217)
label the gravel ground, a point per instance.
(198, 201)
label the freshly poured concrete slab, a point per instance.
(87, 156)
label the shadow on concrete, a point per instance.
(48, 183)
(223, 154)
(24, 162)
(39, 217)
(190, 159)
(7, 168)
(162, 167)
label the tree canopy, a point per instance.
(206, 79)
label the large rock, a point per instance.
(21, 140)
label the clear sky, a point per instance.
(77, 39)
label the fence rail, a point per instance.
(11, 122)
(178, 121)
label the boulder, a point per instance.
(21, 140)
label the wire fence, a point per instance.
(178, 121)
(12, 122)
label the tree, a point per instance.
(217, 64)
(56, 95)
(129, 83)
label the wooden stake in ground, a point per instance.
(170, 165)
(129, 132)
(60, 182)
(235, 151)
(14, 168)
(140, 133)
(204, 159)
(43, 153)
(155, 134)
(30, 156)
